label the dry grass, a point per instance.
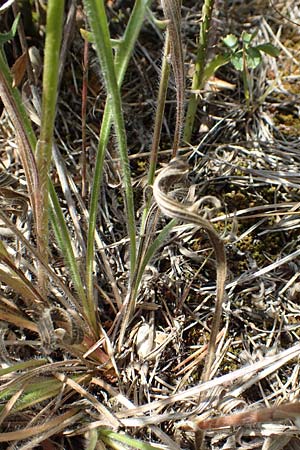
(152, 389)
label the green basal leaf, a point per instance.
(237, 60)
(231, 41)
(5, 37)
(253, 57)
(268, 48)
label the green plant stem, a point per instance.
(161, 100)
(55, 11)
(98, 22)
(26, 146)
(122, 57)
(246, 83)
(142, 256)
(197, 82)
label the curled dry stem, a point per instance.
(175, 171)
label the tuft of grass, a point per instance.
(107, 310)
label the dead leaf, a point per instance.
(18, 70)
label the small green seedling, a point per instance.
(244, 56)
(248, 54)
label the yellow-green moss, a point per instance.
(289, 124)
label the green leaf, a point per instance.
(5, 37)
(247, 37)
(268, 48)
(231, 41)
(87, 35)
(217, 62)
(109, 437)
(237, 60)
(98, 21)
(29, 364)
(253, 57)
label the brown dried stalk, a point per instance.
(172, 13)
(280, 412)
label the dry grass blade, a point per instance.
(10, 404)
(109, 417)
(15, 317)
(238, 377)
(50, 427)
(51, 273)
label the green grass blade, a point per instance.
(130, 36)
(156, 244)
(64, 240)
(34, 393)
(121, 63)
(98, 22)
(30, 364)
(113, 439)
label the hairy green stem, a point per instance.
(26, 147)
(198, 77)
(55, 11)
